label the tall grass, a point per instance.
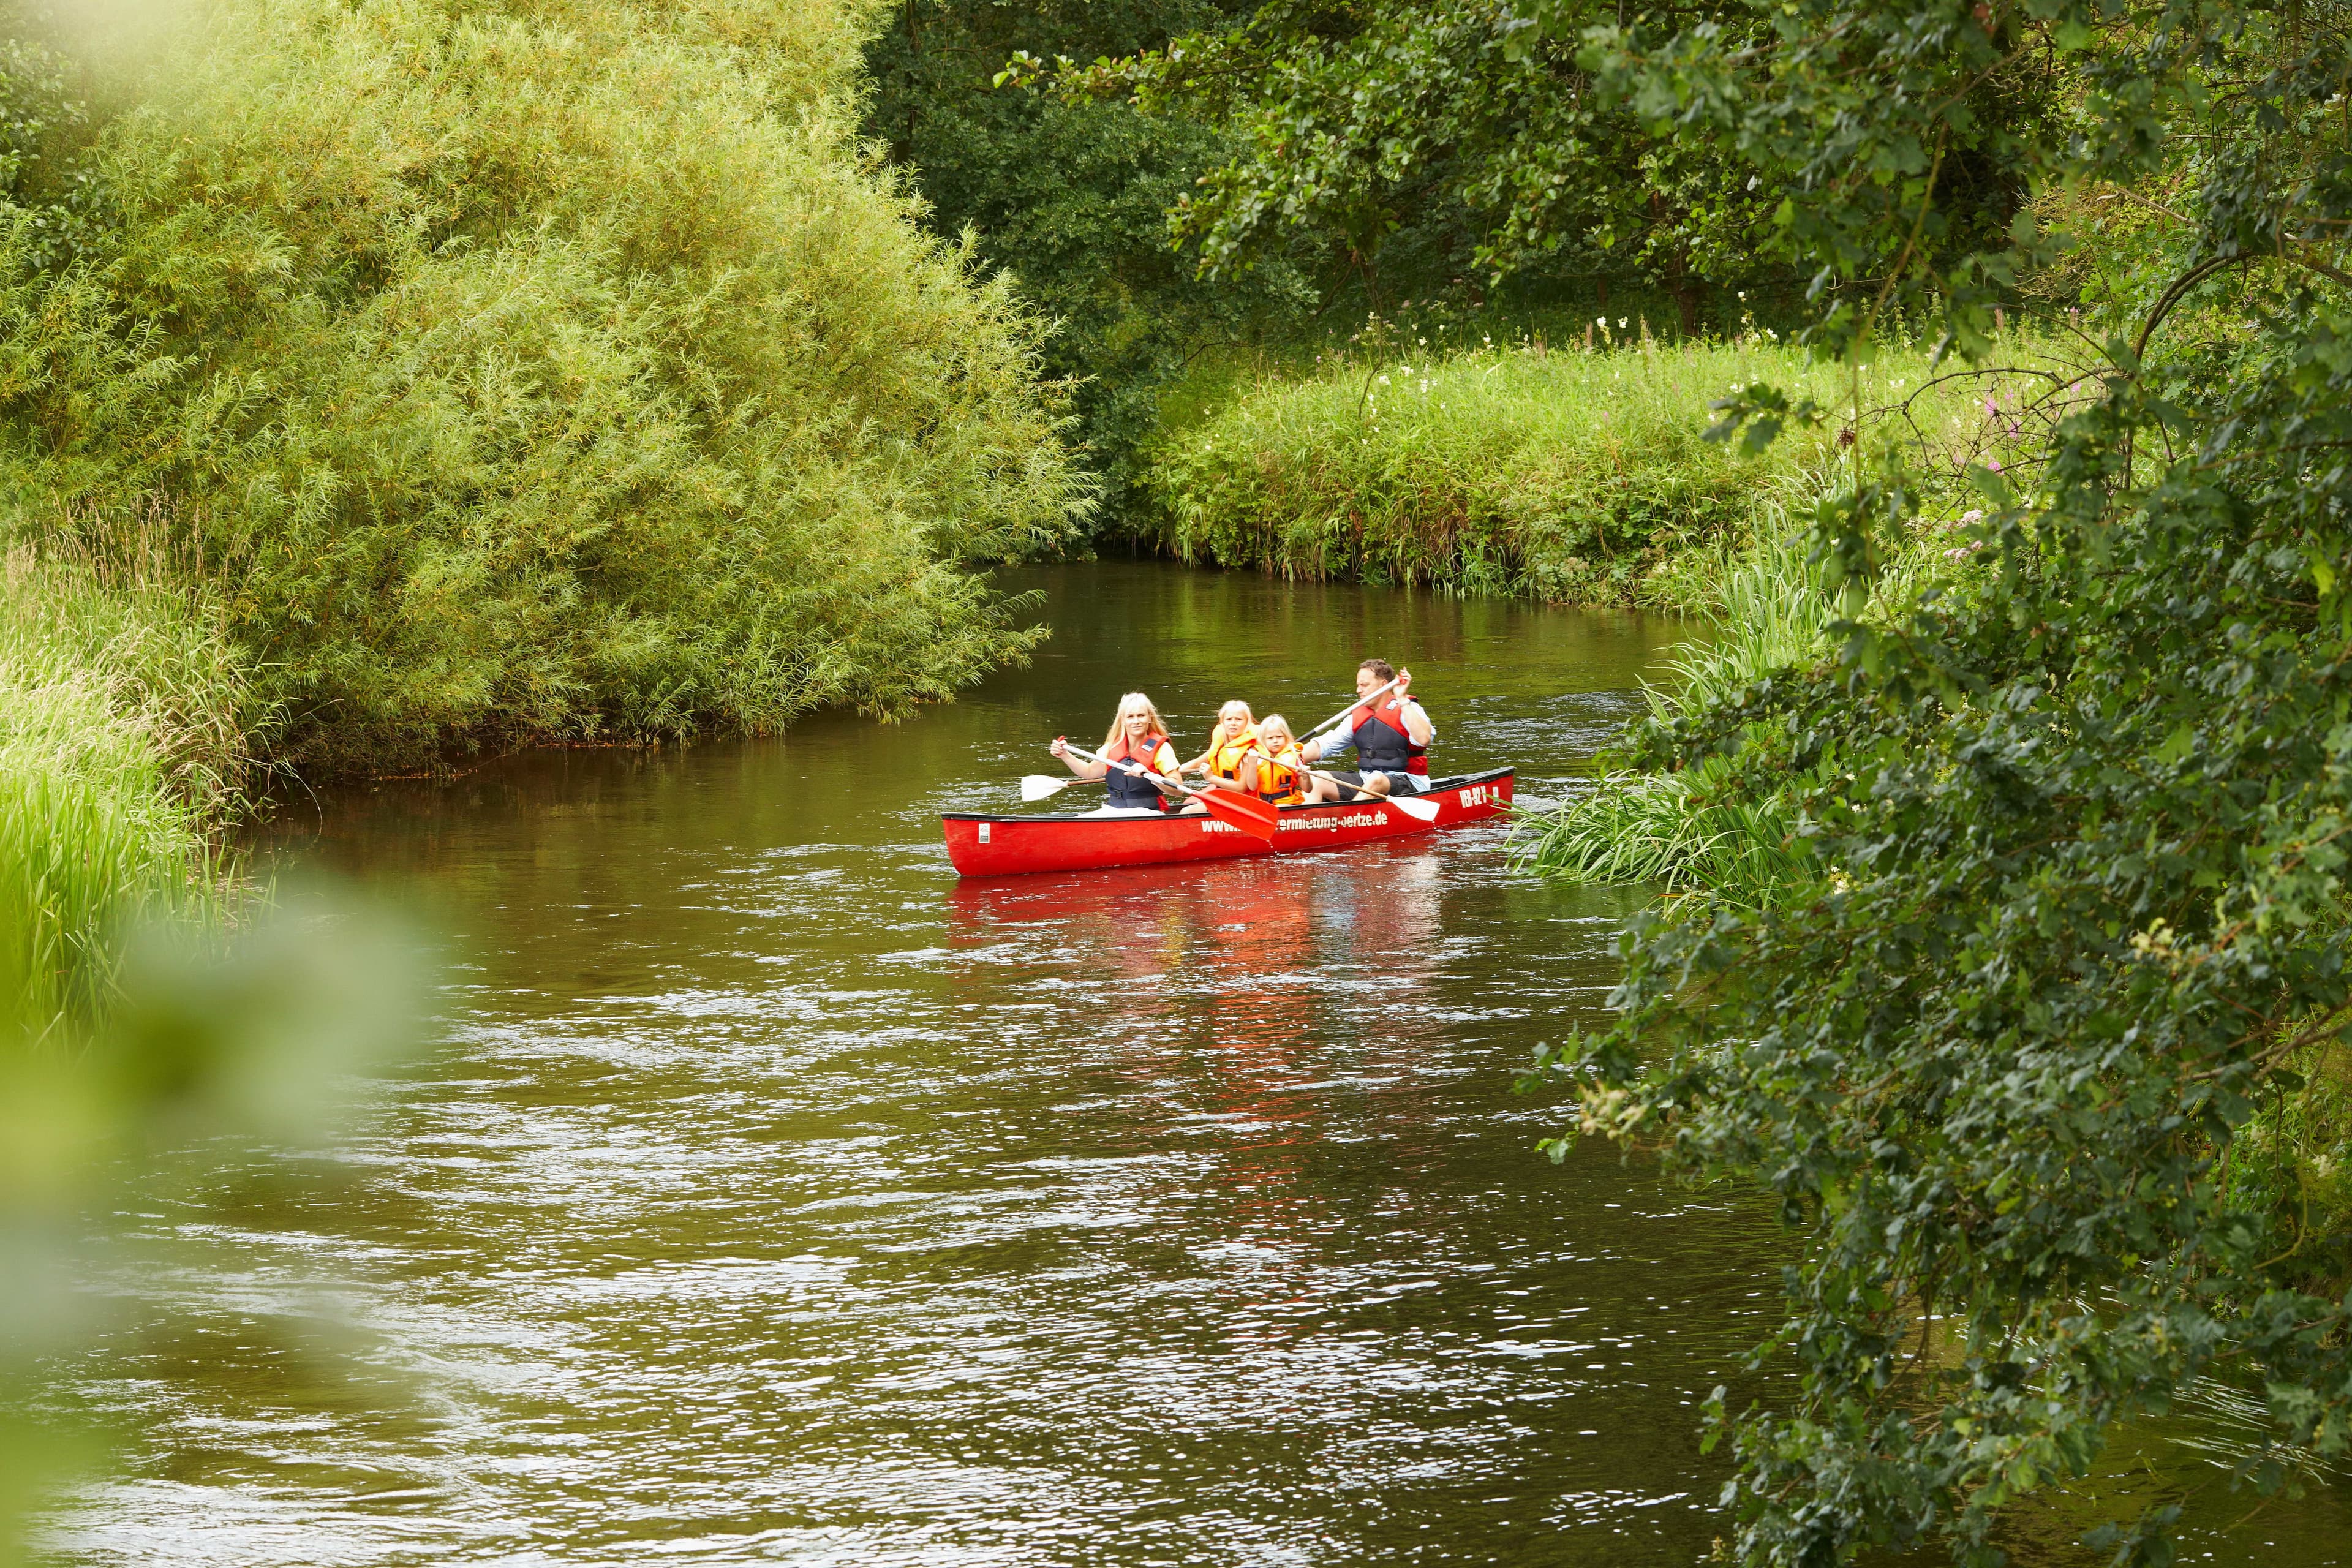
(557, 367)
(121, 754)
(1729, 824)
(1568, 475)
(1574, 475)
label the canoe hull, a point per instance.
(983, 846)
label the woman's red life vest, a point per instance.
(1126, 789)
(1382, 741)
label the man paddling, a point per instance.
(1390, 731)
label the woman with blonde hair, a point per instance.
(1141, 766)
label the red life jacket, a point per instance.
(1382, 741)
(1124, 788)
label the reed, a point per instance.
(1728, 826)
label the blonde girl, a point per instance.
(1229, 744)
(1276, 772)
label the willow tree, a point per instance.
(542, 368)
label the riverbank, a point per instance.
(124, 726)
(1576, 474)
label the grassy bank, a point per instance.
(122, 753)
(1575, 474)
(1568, 475)
(1727, 827)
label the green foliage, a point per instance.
(1725, 826)
(45, 135)
(1574, 474)
(540, 370)
(1359, 118)
(1729, 824)
(2042, 1053)
(1073, 199)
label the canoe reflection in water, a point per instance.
(1236, 997)
(1261, 952)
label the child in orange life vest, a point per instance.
(1229, 744)
(1136, 736)
(1273, 773)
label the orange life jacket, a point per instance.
(1276, 778)
(1226, 757)
(1124, 788)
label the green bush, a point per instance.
(543, 370)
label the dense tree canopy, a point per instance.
(1361, 118)
(2072, 905)
(1073, 199)
(2067, 905)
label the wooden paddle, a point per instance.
(1258, 818)
(1411, 806)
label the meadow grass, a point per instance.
(1574, 474)
(1566, 475)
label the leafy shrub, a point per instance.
(550, 369)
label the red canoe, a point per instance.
(981, 846)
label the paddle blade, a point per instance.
(1037, 787)
(1418, 809)
(1258, 818)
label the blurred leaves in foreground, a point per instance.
(211, 1046)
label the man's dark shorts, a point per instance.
(1399, 782)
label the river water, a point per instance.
(770, 1196)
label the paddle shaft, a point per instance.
(1351, 708)
(1138, 769)
(1247, 813)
